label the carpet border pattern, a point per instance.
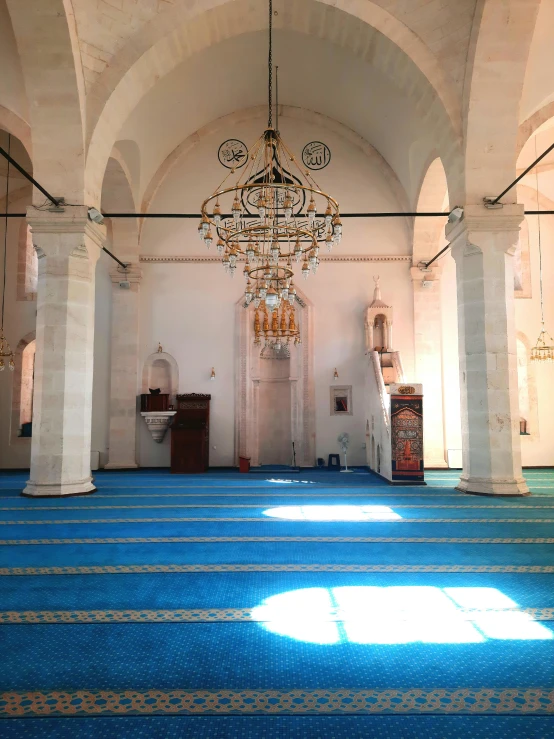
(207, 615)
(193, 568)
(129, 702)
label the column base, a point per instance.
(121, 466)
(58, 490)
(486, 486)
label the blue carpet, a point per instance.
(282, 727)
(451, 610)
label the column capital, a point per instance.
(132, 274)
(479, 224)
(72, 220)
(431, 274)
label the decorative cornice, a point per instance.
(161, 259)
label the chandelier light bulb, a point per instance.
(220, 247)
(208, 238)
(287, 208)
(285, 292)
(305, 270)
(203, 228)
(236, 211)
(263, 290)
(11, 364)
(225, 262)
(257, 300)
(217, 213)
(329, 242)
(311, 212)
(337, 225)
(328, 215)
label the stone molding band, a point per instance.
(155, 259)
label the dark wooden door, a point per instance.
(188, 448)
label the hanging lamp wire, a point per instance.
(543, 351)
(5, 349)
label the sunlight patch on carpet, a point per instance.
(397, 615)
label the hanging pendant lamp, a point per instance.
(6, 352)
(543, 351)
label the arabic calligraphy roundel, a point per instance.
(316, 155)
(232, 154)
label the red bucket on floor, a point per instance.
(244, 464)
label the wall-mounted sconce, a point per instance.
(212, 376)
(335, 374)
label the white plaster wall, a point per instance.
(189, 307)
(450, 356)
(102, 358)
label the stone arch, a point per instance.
(177, 34)
(12, 123)
(161, 371)
(27, 264)
(23, 383)
(501, 38)
(117, 197)
(532, 125)
(51, 63)
(433, 197)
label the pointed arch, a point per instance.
(48, 48)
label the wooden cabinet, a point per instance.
(154, 403)
(190, 434)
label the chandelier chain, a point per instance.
(270, 68)
(539, 237)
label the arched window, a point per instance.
(23, 383)
(27, 265)
(527, 392)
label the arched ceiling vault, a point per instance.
(181, 34)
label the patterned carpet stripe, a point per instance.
(260, 519)
(299, 539)
(32, 507)
(211, 615)
(141, 569)
(438, 701)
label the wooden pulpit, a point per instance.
(190, 434)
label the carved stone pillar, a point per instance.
(68, 246)
(483, 244)
(124, 368)
(428, 360)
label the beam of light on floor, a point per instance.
(397, 615)
(333, 513)
(289, 482)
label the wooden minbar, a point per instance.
(190, 434)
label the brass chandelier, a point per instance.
(278, 217)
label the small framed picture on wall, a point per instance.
(341, 400)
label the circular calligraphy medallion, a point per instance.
(232, 154)
(316, 155)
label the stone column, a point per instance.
(124, 369)
(483, 243)
(428, 361)
(68, 246)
